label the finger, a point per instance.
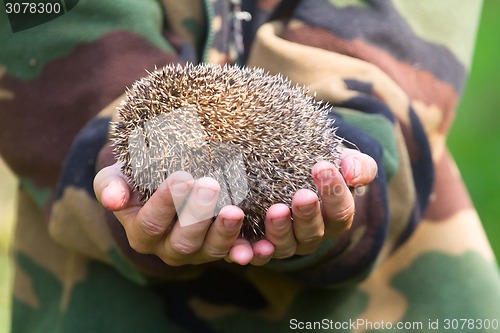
(180, 184)
(308, 225)
(188, 234)
(357, 168)
(241, 252)
(222, 233)
(201, 203)
(263, 251)
(111, 189)
(279, 231)
(151, 223)
(337, 203)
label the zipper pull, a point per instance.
(238, 17)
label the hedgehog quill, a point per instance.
(256, 134)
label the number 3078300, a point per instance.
(32, 8)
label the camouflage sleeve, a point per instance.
(60, 82)
(394, 80)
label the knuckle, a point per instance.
(182, 248)
(343, 215)
(311, 239)
(151, 228)
(213, 254)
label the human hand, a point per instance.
(151, 227)
(313, 222)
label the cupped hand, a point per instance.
(310, 221)
(193, 237)
(151, 228)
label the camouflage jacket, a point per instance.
(416, 257)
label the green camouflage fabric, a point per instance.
(416, 258)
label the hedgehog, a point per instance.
(257, 134)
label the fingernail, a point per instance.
(307, 209)
(230, 223)
(179, 188)
(279, 223)
(325, 174)
(205, 195)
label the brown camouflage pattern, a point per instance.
(416, 252)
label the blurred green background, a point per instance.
(472, 140)
(474, 136)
